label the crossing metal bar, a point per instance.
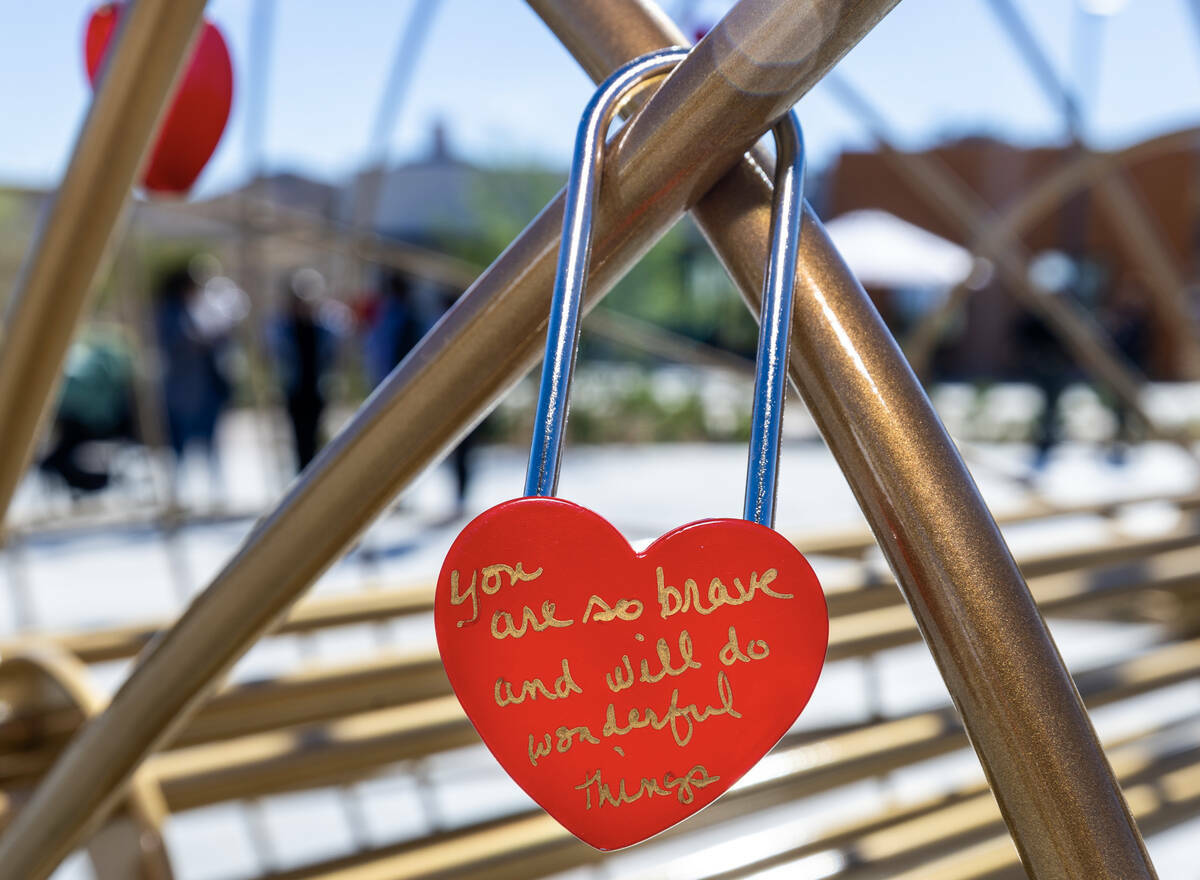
(1082, 170)
(719, 101)
(146, 57)
(1139, 236)
(959, 206)
(1018, 703)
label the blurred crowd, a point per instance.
(205, 337)
(304, 349)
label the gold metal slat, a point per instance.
(951, 820)
(321, 693)
(860, 589)
(356, 745)
(1158, 804)
(485, 851)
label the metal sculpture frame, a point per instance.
(1021, 710)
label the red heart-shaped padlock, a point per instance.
(625, 691)
(196, 118)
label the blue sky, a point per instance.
(508, 93)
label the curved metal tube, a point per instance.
(947, 195)
(1139, 236)
(39, 677)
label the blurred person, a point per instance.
(95, 404)
(1126, 316)
(394, 326)
(1043, 359)
(303, 339)
(195, 324)
(406, 311)
(1045, 363)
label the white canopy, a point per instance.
(885, 251)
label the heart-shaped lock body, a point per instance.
(195, 120)
(625, 691)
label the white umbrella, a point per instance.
(885, 251)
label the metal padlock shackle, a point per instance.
(562, 335)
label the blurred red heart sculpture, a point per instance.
(193, 124)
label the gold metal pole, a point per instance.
(275, 221)
(1019, 705)
(1007, 679)
(146, 58)
(1003, 670)
(1087, 170)
(717, 103)
(634, 334)
(1143, 241)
